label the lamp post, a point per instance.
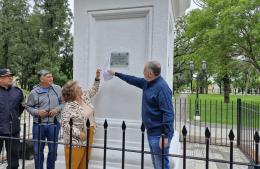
(197, 113)
(191, 64)
(203, 65)
(197, 78)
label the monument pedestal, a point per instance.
(124, 34)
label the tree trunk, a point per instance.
(226, 86)
(6, 52)
(220, 88)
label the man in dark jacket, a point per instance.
(157, 109)
(11, 98)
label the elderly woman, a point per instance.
(79, 108)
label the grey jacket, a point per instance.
(39, 99)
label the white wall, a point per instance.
(144, 29)
(140, 27)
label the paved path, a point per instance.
(216, 152)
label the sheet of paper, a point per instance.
(105, 73)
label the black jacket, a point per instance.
(10, 109)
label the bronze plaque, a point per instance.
(119, 59)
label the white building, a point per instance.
(129, 32)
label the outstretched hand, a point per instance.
(111, 72)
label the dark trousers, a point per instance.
(14, 144)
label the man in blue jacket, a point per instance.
(11, 98)
(157, 109)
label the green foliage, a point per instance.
(225, 33)
(36, 39)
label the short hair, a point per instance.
(69, 91)
(155, 67)
(43, 72)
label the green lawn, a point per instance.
(213, 109)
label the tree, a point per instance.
(13, 15)
(37, 39)
(222, 33)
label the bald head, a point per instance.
(155, 67)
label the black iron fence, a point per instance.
(248, 116)
(206, 136)
(218, 116)
(232, 124)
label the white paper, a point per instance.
(106, 74)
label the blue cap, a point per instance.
(5, 72)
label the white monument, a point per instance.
(125, 33)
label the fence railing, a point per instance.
(242, 117)
(248, 114)
(218, 116)
(206, 136)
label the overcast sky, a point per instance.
(71, 5)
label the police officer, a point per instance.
(11, 98)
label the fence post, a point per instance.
(105, 144)
(54, 145)
(10, 145)
(87, 143)
(231, 138)
(142, 148)
(207, 134)
(239, 111)
(23, 149)
(163, 136)
(70, 146)
(39, 142)
(184, 133)
(256, 138)
(123, 145)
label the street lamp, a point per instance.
(191, 64)
(197, 113)
(197, 77)
(203, 65)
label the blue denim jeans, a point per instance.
(47, 131)
(154, 142)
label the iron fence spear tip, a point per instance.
(71, 121)
(142, 127)
(207, 133)
(105, 124)
(231, 135)
(88, 123)
(184, 131)
(256, 137)
(123, 125)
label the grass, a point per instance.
(213, 109)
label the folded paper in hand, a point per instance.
(106, 74)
